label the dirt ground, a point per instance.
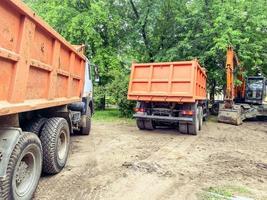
(119, 162)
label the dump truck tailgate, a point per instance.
(183, 81)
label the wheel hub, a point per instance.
(24, 174)
(62, 145)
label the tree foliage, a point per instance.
(121, 31)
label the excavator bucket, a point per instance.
(230, 115)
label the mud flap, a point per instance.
(8, 140)
(230, 116)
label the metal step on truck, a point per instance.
(171, 93)
(45, 95)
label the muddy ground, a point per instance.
(118, 161)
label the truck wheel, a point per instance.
(24, 169)
(35, 126)
(140, 124)
(86, 130)
(149, 124)
(55, 138)
(205, 118)
(200, 114)
(183, 128)
(194, 127)
(215, 109)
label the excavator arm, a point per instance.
(229, 67)
(233, 92)
(228, 111)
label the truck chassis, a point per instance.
(38, 141)
(188, 117)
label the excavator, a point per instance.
(248, 99)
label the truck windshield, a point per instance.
(254, 88)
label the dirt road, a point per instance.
(117, 161)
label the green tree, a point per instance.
(121, 31)
(95, 23)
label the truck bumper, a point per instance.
(163, 118)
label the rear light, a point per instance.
(139, 110)
(187, 112)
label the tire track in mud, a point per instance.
(80, 165)
(192, 184)
(157, 189)
(170, 147)
(143, 142)
(68, 180)
(95, 169)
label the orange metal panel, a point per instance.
(38, 67)
(19, 7)
(5, 78)
(9, 26)
(37, 84)
(71, 69)
(42, 46)
(183, 81)
(21, 68)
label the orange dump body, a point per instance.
(183, 81)
(38, 68)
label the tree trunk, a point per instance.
(102, 103)
(212, 91)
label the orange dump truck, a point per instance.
(45, 95)
(169, 93)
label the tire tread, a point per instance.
(35, 126)
(48, 138)
(5, 183)
(140, 124)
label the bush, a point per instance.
(102, 98)
(99, 95)
(118, 89)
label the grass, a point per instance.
(224, 192)
(111, 115)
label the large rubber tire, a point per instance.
(87, 129)
(55, 138)
(215, 109)
(200, 115)
(24, 169)
(35, 126)
(194, 127)
(183, 128)
(262, 118)
(149, 125)
(140, 124)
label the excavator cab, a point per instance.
(255, 90)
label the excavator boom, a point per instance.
(229, 67)
(228, 111)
